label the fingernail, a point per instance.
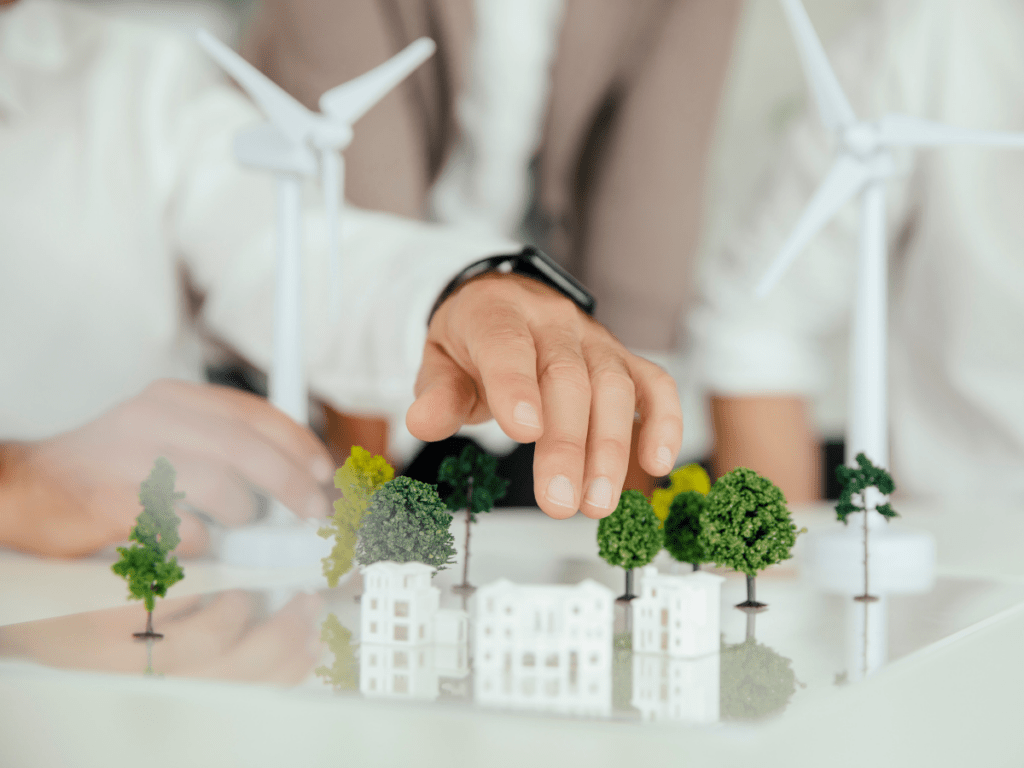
(560, 492)
(525, 414)
(315, 506)
(600, 493)
(664, 457)
(323, 470)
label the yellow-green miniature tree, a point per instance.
(692, 477)
(146, 565)
(361, 476)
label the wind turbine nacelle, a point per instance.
(267, 148)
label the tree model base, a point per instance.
(147, 636)
(625, 598)
(752, 606)
(464, 590)
(866, 599)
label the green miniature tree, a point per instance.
(343, 674)
(406, 521)
(682, 529)
(476, 487)
(630, 536)
(146, 565)
(358, 479)
(746, 525)
(855, 482)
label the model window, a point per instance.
(401, 608)
(401, 684)
(401, 660)
(401, 632)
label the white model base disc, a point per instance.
(900, 562)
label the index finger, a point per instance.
(501, 348)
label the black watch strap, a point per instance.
(529, 262)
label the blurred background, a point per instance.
(765, 90)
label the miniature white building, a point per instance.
(685, 690)
(407, 643)
(544, 648)
(677, 614)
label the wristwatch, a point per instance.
(530, 262)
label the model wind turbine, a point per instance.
(296, 143)
(863, 165)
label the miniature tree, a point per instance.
(682, 529)
(343, 674)
(630, 536)
(406, 521)
(473, 476)
(146, 565)
(746, 525)
(855, 481)
(358, 479)
(692, 477)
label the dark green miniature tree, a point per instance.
(746, 526)
(476, 487)
(146, 565)
(630, 536)
(343, 674)
(682, 528)
(405, 522)
(855, 482)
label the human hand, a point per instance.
(510, 347)
(227, 637)
(78, 492)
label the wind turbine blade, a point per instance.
(282, 109)
(916, 132)
(833, 107)
(843, 181)
(350, 101)
(332, 178)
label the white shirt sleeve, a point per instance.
(223, 220)
(784, 343)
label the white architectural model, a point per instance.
(544, 648)
(407, 643)
(685, 690)
(297, 143)
(678, 615)
(863, 165)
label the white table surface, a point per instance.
(957, 702)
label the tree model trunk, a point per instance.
(696, 566)
(149, 634)
(465, 588)
(751, 604)
(628, 595)
(867, 597)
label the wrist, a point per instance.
(529, 263)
